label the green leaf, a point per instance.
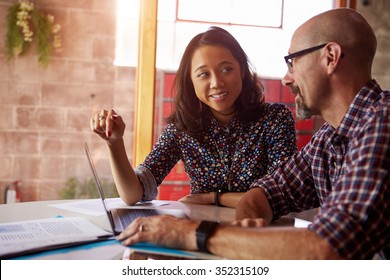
(43, 34)
(42, 29)
(14, 43)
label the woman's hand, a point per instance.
(164, 230)
(108, 125)
(199, 198)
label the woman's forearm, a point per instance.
(126, 181)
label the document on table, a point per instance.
(32, 236)
(95, 206)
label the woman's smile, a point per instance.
(219, 96)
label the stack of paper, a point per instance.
(38, 235)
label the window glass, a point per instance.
(262, 13)
(245, 19)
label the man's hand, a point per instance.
(254, 204)
(163, 230)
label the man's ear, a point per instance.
(333, 55)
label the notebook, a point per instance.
(119, 218)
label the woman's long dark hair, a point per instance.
(192, 116)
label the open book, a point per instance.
(20, 238)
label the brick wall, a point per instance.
(45, 112)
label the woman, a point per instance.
(221, 128)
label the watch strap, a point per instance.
(203, 232)
(216, 198)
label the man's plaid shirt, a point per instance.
(345, 172)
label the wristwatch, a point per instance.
(203, 232)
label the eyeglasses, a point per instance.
(289, 58)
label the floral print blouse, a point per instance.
(227, 157)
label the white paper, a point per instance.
(27, 235)
(95, 206)
(113, 203)
(299, 223)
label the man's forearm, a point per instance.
(268, 243)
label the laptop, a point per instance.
(119, 218)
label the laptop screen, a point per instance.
(100, 189)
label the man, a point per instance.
(344, 170)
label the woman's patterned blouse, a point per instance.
(227, 157)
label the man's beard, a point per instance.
(301, 110)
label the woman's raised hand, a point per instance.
(108, 125)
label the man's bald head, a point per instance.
(346, 27)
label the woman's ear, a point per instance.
(333, 55)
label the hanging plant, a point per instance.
(24, 25)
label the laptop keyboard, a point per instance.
(126, 216)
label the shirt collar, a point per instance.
(360, 105)
(218, 127)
